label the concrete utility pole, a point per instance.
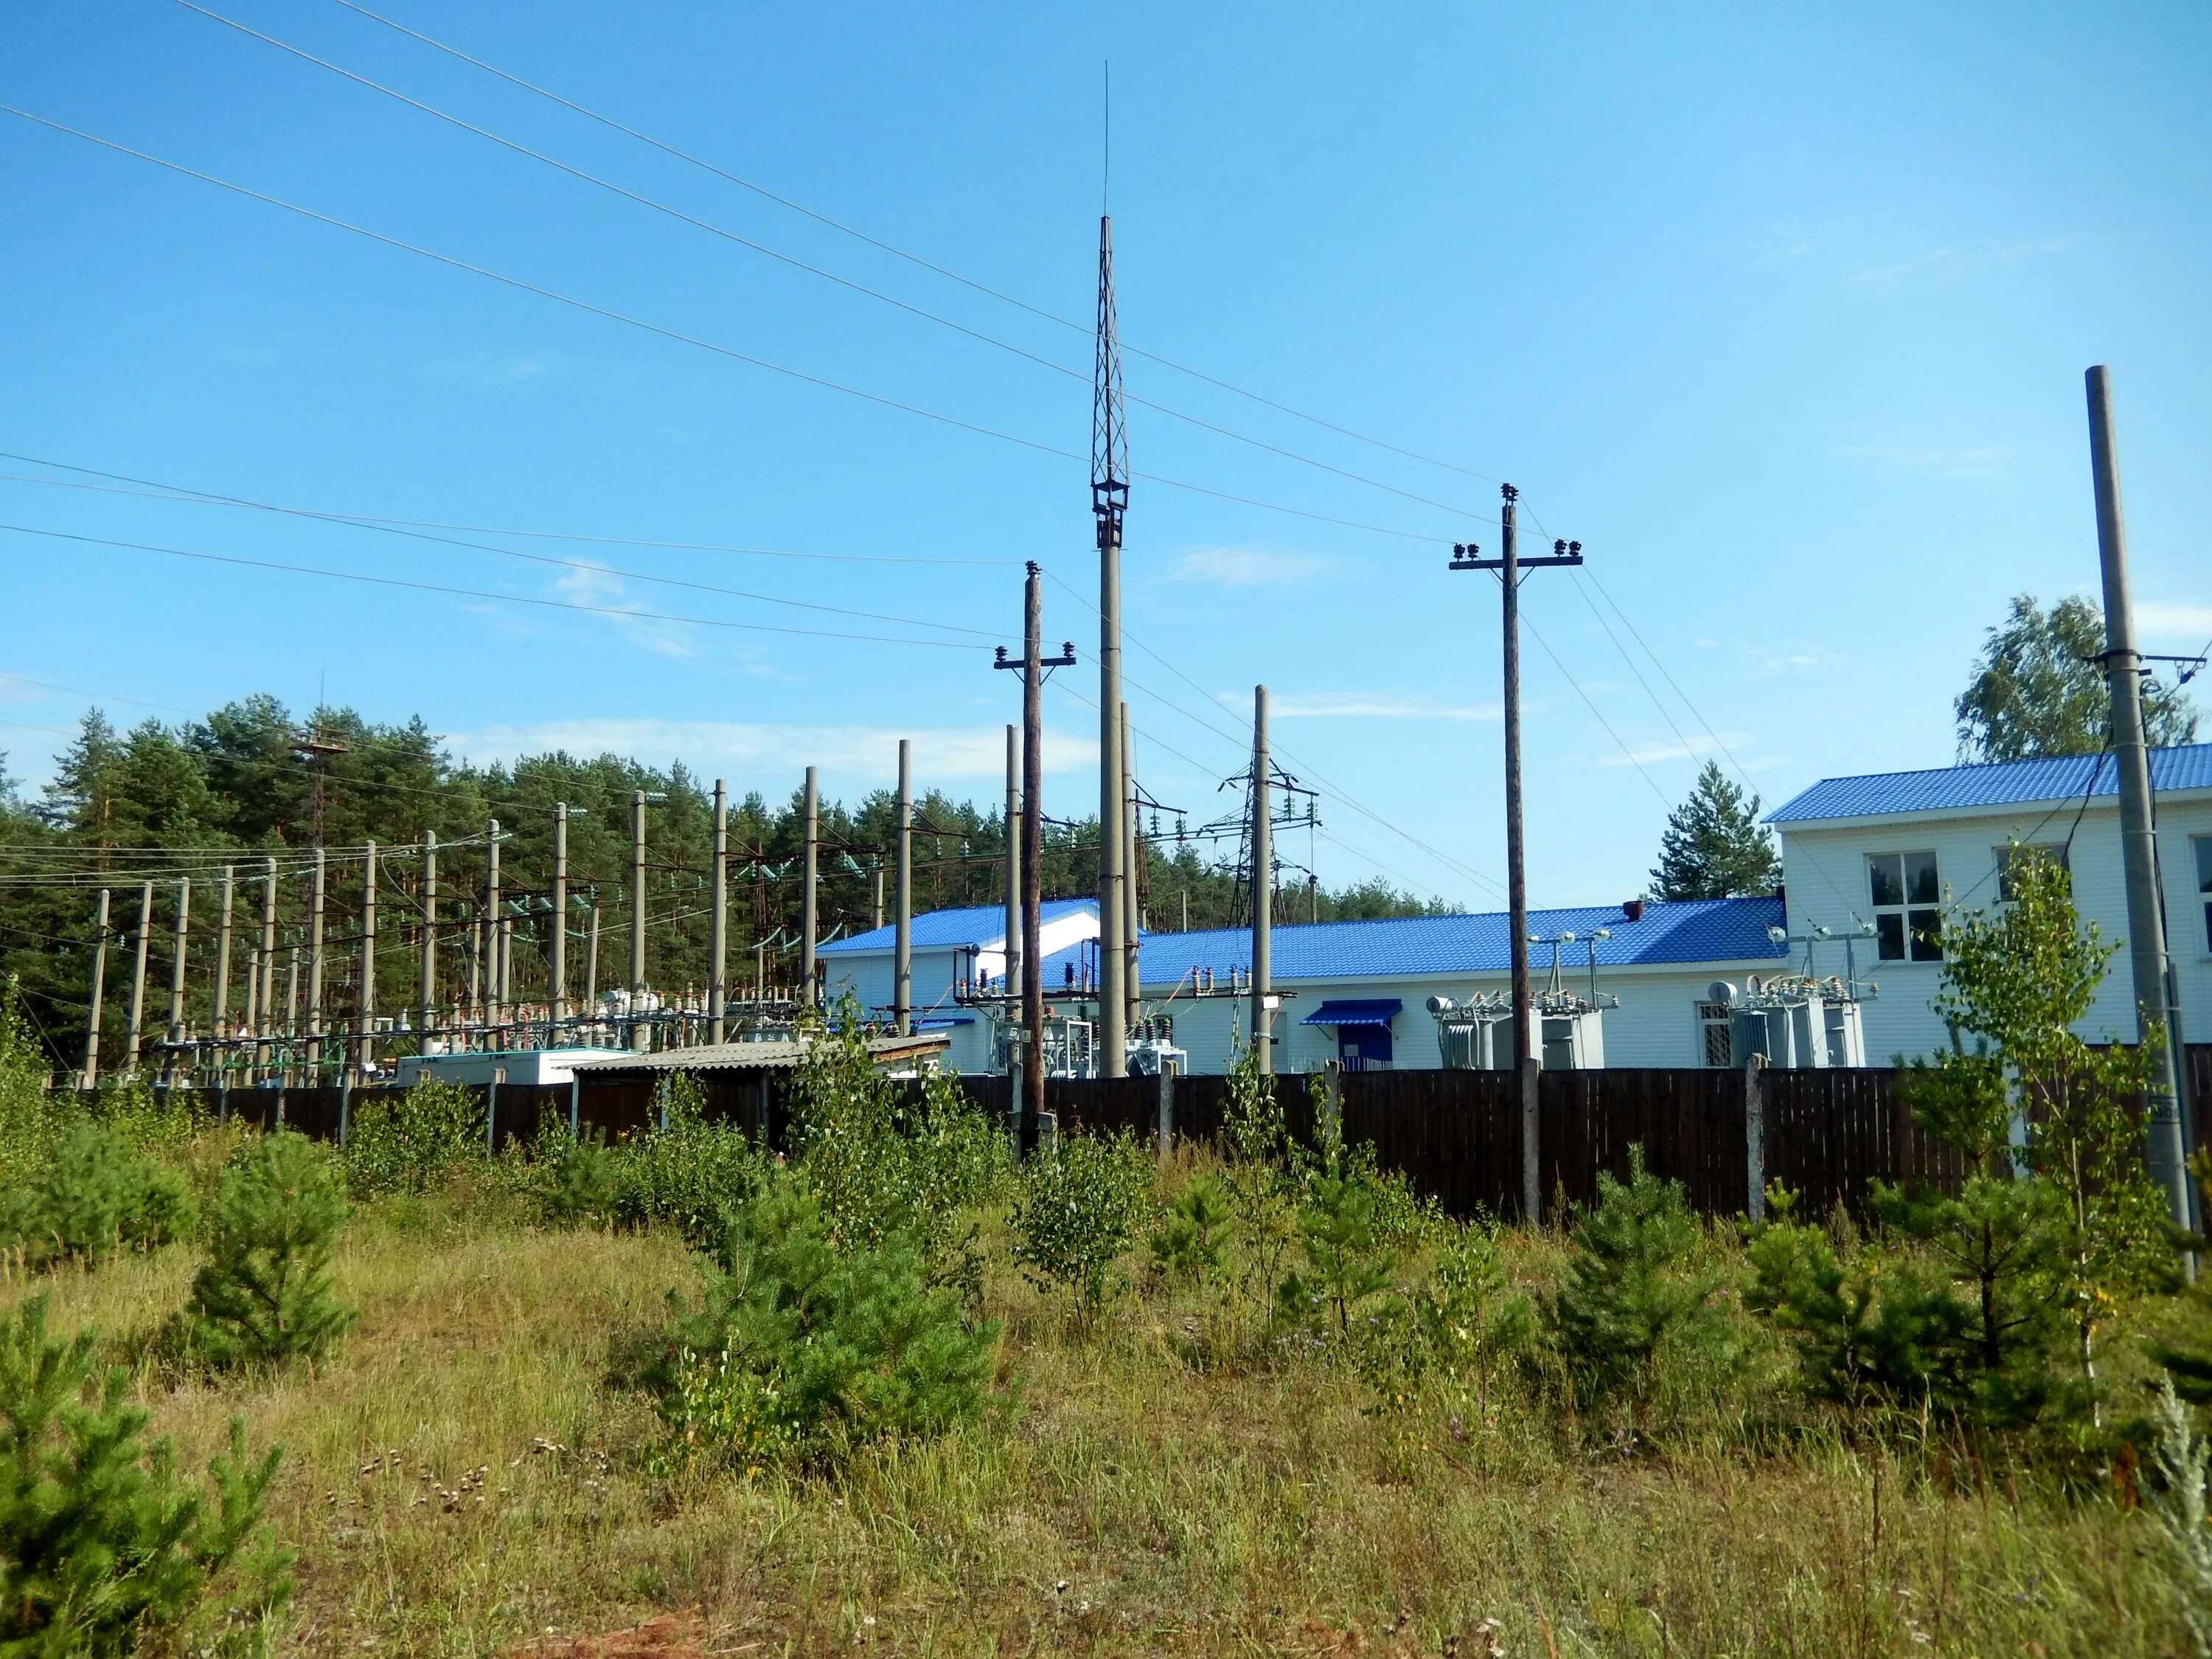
(903, 933)
(266, 1025)
(809, 873)
(1263, 887)
(636, 900)
(557, 993)
(1133, 867)
(315, 917)
(1528, 1061)
(426, 990)
(2165, 1140)
(138, 980)
(222, 1014)
(1010, 965)
(718, 943)
(494, 990)
(1110, 502)
(1032, 667)
(176, 1028)
(364, 1059)
(591, 960)
(91, 1077)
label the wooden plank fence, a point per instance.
(1456, 1135)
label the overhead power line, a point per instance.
(202, 498)
(478, 593)
(678, 335)
(1082, 328)
(762, 248)
(161, 491)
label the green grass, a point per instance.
(467, 1473)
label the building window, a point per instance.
(1716, 1041)
(2202, 845)
(2008, 857)
(1903, 889)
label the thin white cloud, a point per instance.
(601, 588)
(497, 367)
(1961, 256)
(1765, 661)
(1362, 705)
(2183, 620)
(1249, 564)
(737, 747)
(1694, 749)
(1968, 461)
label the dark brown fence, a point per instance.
(1456, 1135)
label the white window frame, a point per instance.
(2201, 845)
(1918, 922)
(1715, 1018)
(2055, 851)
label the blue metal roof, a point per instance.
(936, 930)
(1355, 1010)
(1698, 930)
(2000, 783)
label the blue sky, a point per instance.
(1782, 314)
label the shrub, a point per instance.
(32, 1118)
(881, 1164)
(2177, 1504)
(1631, 1287)
(99, 1546)
(1346, 1261)
(1081, 1203)
(414, 1143)
(586, 1184)
(265, 1293)
(692, 1175)
(807, 1346)
(97, 1195)
(1455, 1326)
(1189, 1244)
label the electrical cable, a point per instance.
(682, 338)
(157, 491)
(479, 593)
(800, 264)
(201, 498)
(1627, 753)
(897, 252)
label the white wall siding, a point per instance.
(1824, 875)
(1657, 1024)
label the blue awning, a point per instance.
(942, 1022)
(1355, 1010)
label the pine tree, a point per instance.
(266, 1291)
(1714, 846)
(98, 1543)
(1632, 1285)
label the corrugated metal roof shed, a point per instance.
(2000, 783)
(751, 1056)
(934, 930)
(1700, 930)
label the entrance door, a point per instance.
(1362, 1046)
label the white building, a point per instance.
(1899, 849)
(1892, 853)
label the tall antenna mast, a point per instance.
(1109, 500)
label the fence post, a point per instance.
(1167, 1107)
(1532, 1194)
(491, 1110)
(1330, 1130)
(345, 1101)
(573, 1086)
(1754, 1136)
